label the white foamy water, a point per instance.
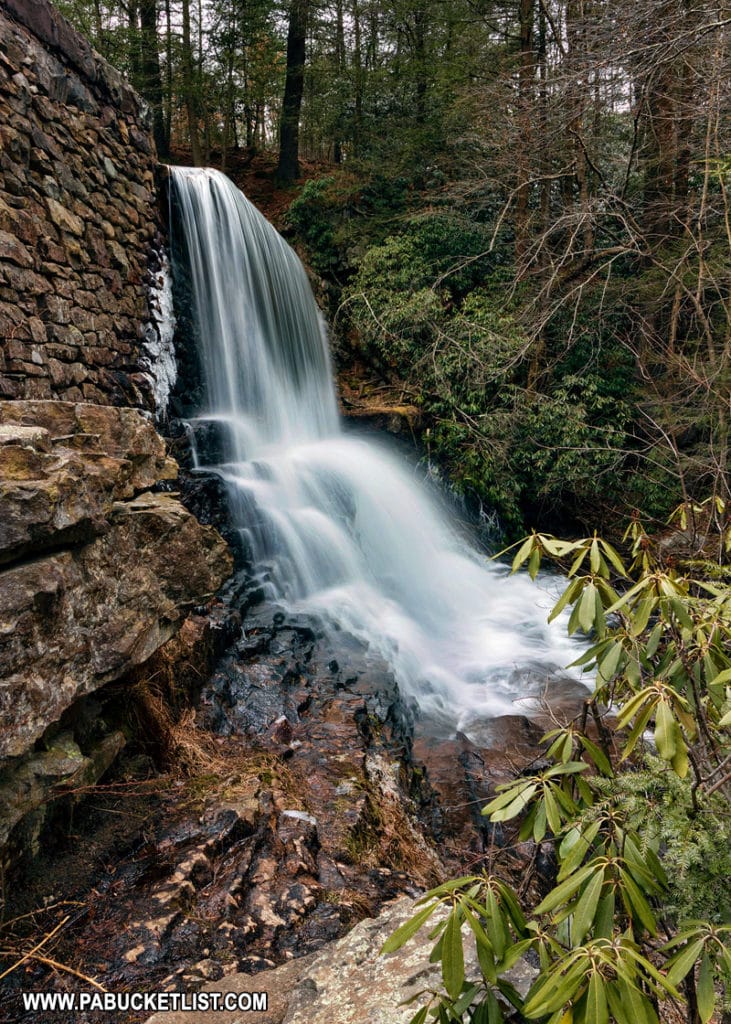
(158, 349)
(343, 528)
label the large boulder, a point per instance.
(347, 982)
(98, 571)
(63, 465)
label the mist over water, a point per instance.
(337, 525)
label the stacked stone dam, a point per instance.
(79, 221)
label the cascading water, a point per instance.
(343, 529)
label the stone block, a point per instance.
(55, 309)
(82, 318)
(64, 219)
(36, 388)
(25, 369)
(37, 330)
(12, 249)
(26, 283)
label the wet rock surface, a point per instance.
(306, 806)
(97, 572)
(300, 819)
(298, 803)
(63, 465)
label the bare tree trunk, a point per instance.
(151, 76)
(340, 68)
(228, 112)
(358, 80)
(576, 27)
(135, 68)
(98, 26)
(168, 73)
(288, 166)
(525, 88)
(420, 30)
(189, 89)
(543, 121)
(661, 140)
(202, 107)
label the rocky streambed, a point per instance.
(295, 805)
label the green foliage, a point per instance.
(696, 846)
(337, 217)
(641, 838)
(573, 441)
(428, 308)
(311, 216)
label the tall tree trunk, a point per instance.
(357, 79)
(99, 27)
(542, 58)
(661, 144)
(685, 120)
(202, 107)
(189, 89)
(420, 30)
(576, 28)
(288, 166)
(228, 106)
(151, 76)
(168, 73)
(525, 89)
(133, 27)
(340, 68)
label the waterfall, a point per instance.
(337, 526)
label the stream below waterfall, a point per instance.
(334, 524)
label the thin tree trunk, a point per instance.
(576, 42)
(135, 64)
(420, 53)
(228, 112)
(203, 108)
(340, 68)
(661, 144)
(543, 117)
(357, 79)
(98, 27)
(168, 73)
(189, 89)
(525, 87)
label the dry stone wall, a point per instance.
(79, 224)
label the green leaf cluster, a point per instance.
(637, 812)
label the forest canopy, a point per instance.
(520, 209)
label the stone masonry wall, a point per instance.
(79, 223)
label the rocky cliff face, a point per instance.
(97, 571)
(79, 224)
